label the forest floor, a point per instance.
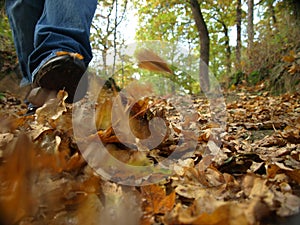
(241, 170)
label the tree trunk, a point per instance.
(228, 49)
(250, 29)
(296, 7)
(227, 46)
(238, 33)
(272, 12)
(204, 44)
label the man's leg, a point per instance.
(23, 16)
(63, 26)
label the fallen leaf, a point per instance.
(53, 108)
(91, 206)
(5, 139)
(156, 200)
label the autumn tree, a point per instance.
(105, 34)
(175, 22)
(271, 13)
(204, 44)
(220, 19)
(171, 22)
(250, 35)
(250, 28)
(238, 32)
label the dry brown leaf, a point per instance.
(53, 108)
(121, 205)
(272, 170)
(5, 139)
(149, 60)
(253, 173)
(210, 177)
(192, 191)
(89, 210)
(209, 211)
(103, 114)
(29, 185)
(16, 197)
(256, 210)
(228, 214)
(156, 200)
(290, 57)
(291, 134)
(289, 204)
(75, 162)
(259, 188)
(10, 123)
(294, 175)
(294, 69)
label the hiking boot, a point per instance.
(37, 97)
(30, 109)
(63, 72)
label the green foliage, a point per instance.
(2, 96)
(8, 56)
(276, 32)
(256, 76)
(237, 78)
(6, 40)
(220, 17)
(180, 82)
(172, 21)
(165, 20)
(253, 77)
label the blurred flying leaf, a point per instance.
(149, 60)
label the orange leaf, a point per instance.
(295, 175)
(74, 55)
(289, 58)
(156, 200)
(75, 162)
(223, 215)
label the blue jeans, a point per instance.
(43, 27)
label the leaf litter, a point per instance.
(253, 178)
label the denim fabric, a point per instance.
(43, 27)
